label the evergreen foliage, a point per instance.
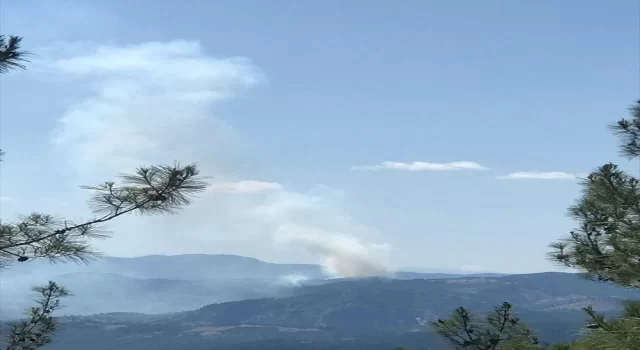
(501, 329)
(606, 244)
(11, 54)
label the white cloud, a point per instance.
(152, 104)
(5, 198)
(532, 175)
(249, 186)
(423, 166)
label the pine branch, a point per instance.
(36, 331)
(597, 320)
(459, 329)
(11, 56)
(629, 133)
(606, 245)
(151, 190)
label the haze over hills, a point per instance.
(183, 267)
(234, 302)
(372, 313)
(159, 284)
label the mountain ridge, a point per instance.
(373, 311)
(173, 282)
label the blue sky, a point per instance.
(279, 100)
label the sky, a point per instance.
(362, 135)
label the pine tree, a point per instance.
(150, 190)
(500, 330)
(605, 246)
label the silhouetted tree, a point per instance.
(500, 330)
(606, 243)
(150, 190)
(36, 331)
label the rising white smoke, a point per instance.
(152, 103)
(294, 280)
(343, 255)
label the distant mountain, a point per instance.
(152, 284)
(371, 313)
(448, 271)
(176, 267)
(406, 275)
(159, 284)
(121, 293)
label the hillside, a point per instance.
(159, 284)
(384, 303)
(153, 284)
(349, 313)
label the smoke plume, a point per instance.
(343, 255)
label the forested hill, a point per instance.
(338, 313)
(388, 303)
(159, 284)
